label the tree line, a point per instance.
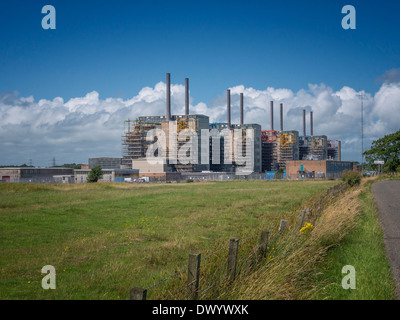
(386, 149)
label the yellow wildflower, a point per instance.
(307, 228)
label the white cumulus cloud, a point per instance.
(90, 126)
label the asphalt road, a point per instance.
(387, 200)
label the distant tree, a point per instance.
(14, 166)
(386, 149)
(71, 165)
(279, 174)
(95, 174)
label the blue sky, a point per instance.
(117, 48)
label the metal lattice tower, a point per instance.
(362, 96)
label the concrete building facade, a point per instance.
(109, 175)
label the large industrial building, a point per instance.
(279, 147)
(233, 148)
(191, 143)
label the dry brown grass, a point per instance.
(292, 259)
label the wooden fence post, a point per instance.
(301, 219)
(320, 204)
(193, 275)
(262, 247)
(282, 226)
(232, 258)
(138, 294)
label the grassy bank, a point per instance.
(308, 265)
(364, 249)
(105, 238)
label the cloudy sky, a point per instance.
(65, 93)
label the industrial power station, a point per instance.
(271, 150)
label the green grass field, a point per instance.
(104, 239)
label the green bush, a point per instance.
(95, 174)
(351, 177)
(189, 180)
(279, 174)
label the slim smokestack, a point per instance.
(281, 116)
(311, 123)
(187, 96)
(241, 108)
(272, 115)
(304, 122)
(228, 105)
(168, 96)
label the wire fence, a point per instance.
(226, 263)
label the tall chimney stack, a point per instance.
(187, 96)
(311, 124)
(228, 106)
(281, 116)
(241, 108)
(168, 96)
(272, 115)
(304, 122)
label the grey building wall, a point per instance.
(35, 175)
(105, 162)
(335, 169)
(256, 151)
